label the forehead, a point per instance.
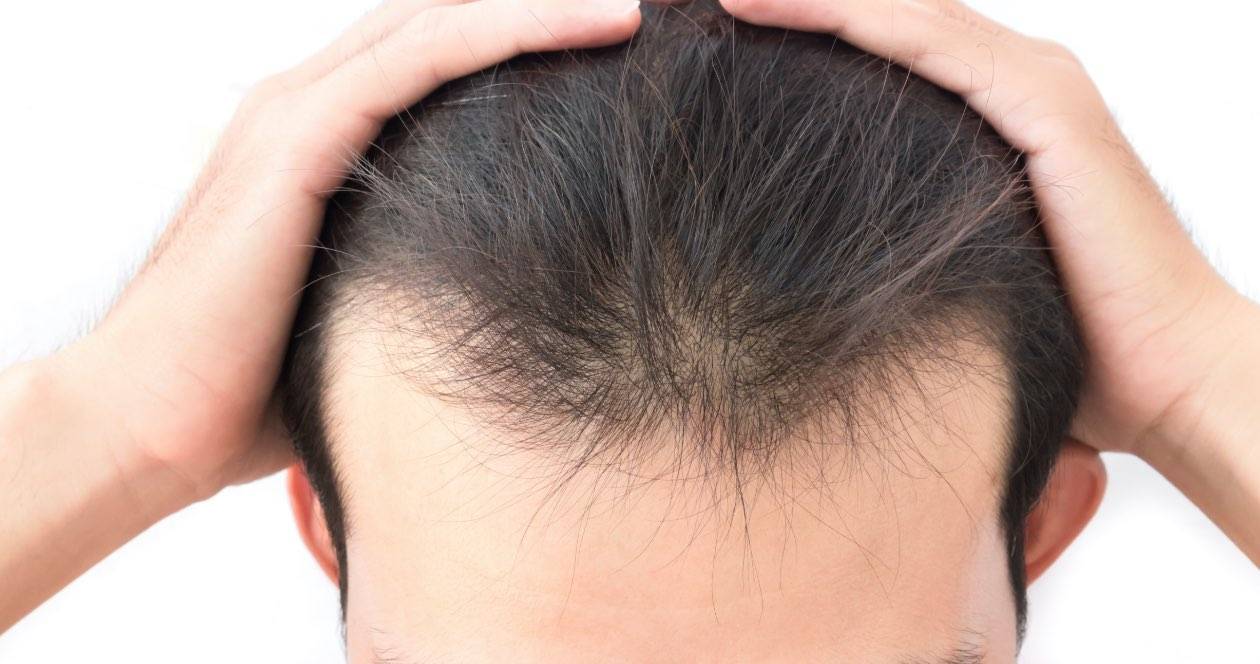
(891, 547)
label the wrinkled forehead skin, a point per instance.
(464, 547)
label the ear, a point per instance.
(1071, 498)
(309, 515)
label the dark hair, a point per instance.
(723, 231)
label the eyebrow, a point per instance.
(967, 655)
(389, 656)
(970, 651)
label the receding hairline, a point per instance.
(907, 387)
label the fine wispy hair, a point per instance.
(720, 238)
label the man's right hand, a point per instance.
(170, 398)
(187, 359)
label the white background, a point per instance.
(108, 109)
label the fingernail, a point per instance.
(620, 7)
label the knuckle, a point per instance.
(1062, 69)
(255, 114)
(254, 132)
(956, 17)
(269, 88)
(1059, 52)
(263, 95)
(25, 382)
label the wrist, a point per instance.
(1218, 407)
(71, 496)
(1208, 442)
(164, 420)
(48, 406)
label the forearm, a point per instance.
(1209, 444)
(71, 492)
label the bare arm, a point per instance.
(71, 494)
(1208, 445)
(170, 399)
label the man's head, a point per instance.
(728, 343)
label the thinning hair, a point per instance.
(732, 233)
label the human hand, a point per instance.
(170, 398)
(1158, 322)
(181, 371)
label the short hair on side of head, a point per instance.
(727, 231)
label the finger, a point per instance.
(303, 143)
(371, 29)
(995, 69)
(1034, 93)
(446, 42)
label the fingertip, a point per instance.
(734, 7)
(607, 9)
(586, 23)
(755, 11)
(621, 12)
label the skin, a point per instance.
(648, 563)
(169, 399)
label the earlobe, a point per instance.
(310, 521)
(1069, 502)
